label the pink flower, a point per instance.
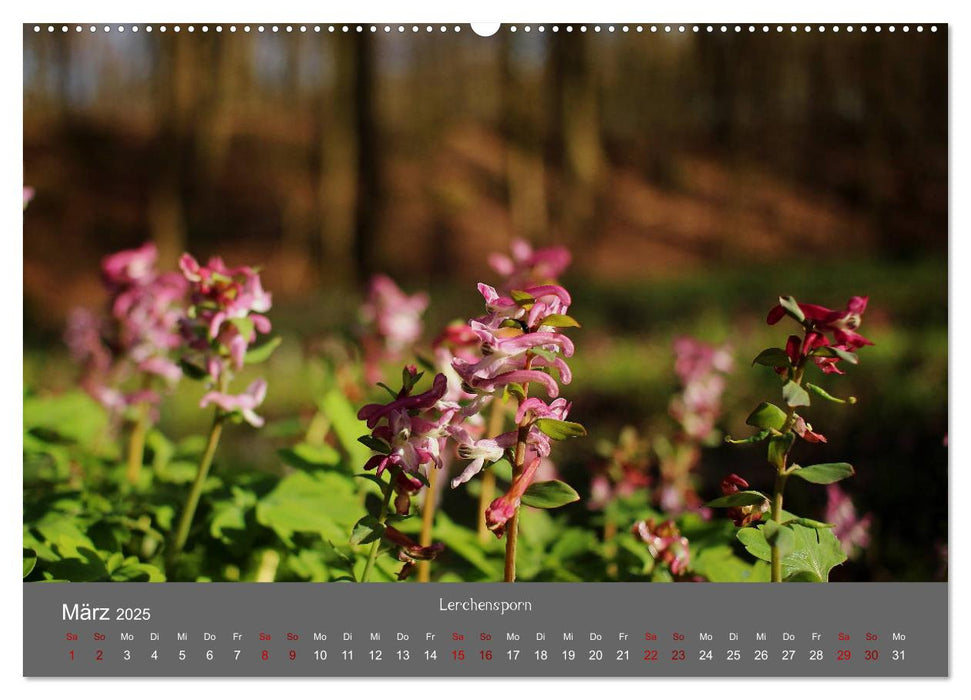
(526, 267)
(503, 508)
(226, 314)
(244, 404)
(804, 430)
(665, 544)
(126, 267)
(479, 451)
(141, 333)
(374, 412)
(741, 515)
(412, 427)
(392, 321)
(409, 551)
(852, 531)
(516, 345)
(28, 195)
(841, 324)
(701, 369)
(624, 470)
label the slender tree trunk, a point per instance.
(576, 138)
(369, 199)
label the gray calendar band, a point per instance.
(525, 629)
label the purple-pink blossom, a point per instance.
(701, 369)
(413, 428)
(851, 530)
(503, 508)
(527, 267)
(392, 323)
(226, 314)
(140, 334)
(245, 403)
(665, 543)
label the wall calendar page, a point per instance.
(523, 350)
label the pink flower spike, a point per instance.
(244, 403)
(521, 376)
(526, 266)
(136, 266)
(374, 412)
(503, 508)
(166, 369)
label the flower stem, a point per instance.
(512, 527)
(189, 511)
(497, 415)
(136, 443)
(427, 524)
(780, 479)
(376, 545)
(780, 484)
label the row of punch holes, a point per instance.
(414, 28)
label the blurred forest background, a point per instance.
(694, 178)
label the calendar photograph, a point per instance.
(584, 304)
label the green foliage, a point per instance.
(773, 357)
(811, 552)
(792, 308)
(737, 500)
(560, 429)
(549, 494)
(794, 395)
(823, 473)
(262, 352)
(561, 321)
(767, 416)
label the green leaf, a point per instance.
(792, 308)
(754, 542)
(773, 357)
(560, 429)
(307, 456)
(192, 370)
(742, 498)
(824, 473)
(758, 437)
(767, 416)
(779, 447)
(133, 570)
(521, 297)
(814, 552)
(394, 394)
(560, 321)
(366, 530)
(263, 352)
(516, 389)
(794, 395)
(547, 355)
(344, 420)
(809, 522)
(408, 380)
(549, 494)
(828, 351)
(244, 325)
(321, 502)
(814, 555)
(719, 564)
(376, 444)
(822, 393)
(30, 560)
(373, 478)
(780, 536)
